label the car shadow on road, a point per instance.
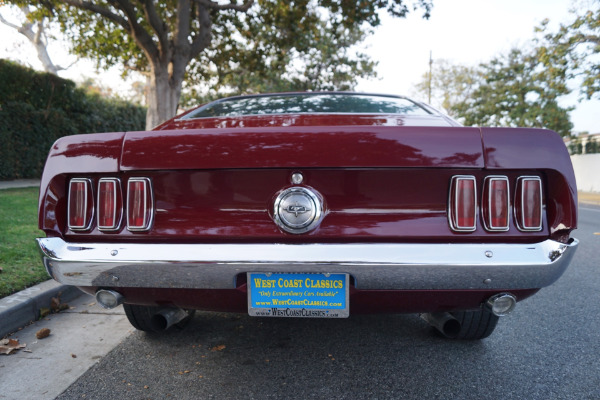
(236, 356)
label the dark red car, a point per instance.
(311, 205)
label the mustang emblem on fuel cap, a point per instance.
(297, 210)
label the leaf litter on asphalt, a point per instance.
(10, 346)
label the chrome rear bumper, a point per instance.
(373, 265)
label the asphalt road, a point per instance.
(549, 348)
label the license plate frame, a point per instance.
(298, 294)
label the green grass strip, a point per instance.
(19, 257)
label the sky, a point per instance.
(464, 32)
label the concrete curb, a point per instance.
(21, 308)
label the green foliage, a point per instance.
(225, 46)
(517, 91)
(592, 146)
(575, 147)
(19, 257)
(279, 47)
(451, 86)
(38, 108)
(574, 50)
(513, 90)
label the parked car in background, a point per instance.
(311, 205)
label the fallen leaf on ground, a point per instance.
(44, 312)
(218, 348)
(9, 346)
(54, 303)
(42, 333)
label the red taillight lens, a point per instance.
(110, 204)
(463, 204)
(139, 204)
(496, 203)
(530, 203)
(81, 204)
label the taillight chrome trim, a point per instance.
(520, 206)
(453, 204)
(487, 218)
(88, 192)
(148, 205)
(118, 211)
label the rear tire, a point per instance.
(141, 317)
(475, 325)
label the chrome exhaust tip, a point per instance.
(501, 304)
(166, 318)
(109, 298)
(443, 322)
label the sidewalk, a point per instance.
(589, 198)
(79, 338)
(21, 308)
(19, 183)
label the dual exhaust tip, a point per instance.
(500, 305)
(162, 320)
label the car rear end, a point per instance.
(311, 219)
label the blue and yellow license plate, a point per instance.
(298, 295)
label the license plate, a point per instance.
(298, 295)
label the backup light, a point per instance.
(80, 204)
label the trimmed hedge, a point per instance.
(38, 108)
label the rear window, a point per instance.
(317, 103)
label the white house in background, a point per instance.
(579, 143)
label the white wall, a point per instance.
(587, 172)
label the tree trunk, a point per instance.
(163, 95)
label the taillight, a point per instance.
(495, 203)
(529, 203)
(463, 203)
(81, 204)
(140, 208)
(110, 204)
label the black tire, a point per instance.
(475, 325)
(141, 317)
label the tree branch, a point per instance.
(88, 6)
(157, 24)
(139, 71)
(588, 39)
(183, 23)
(231, 6)
(138, 32)
(5, 22)
(202, 40)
